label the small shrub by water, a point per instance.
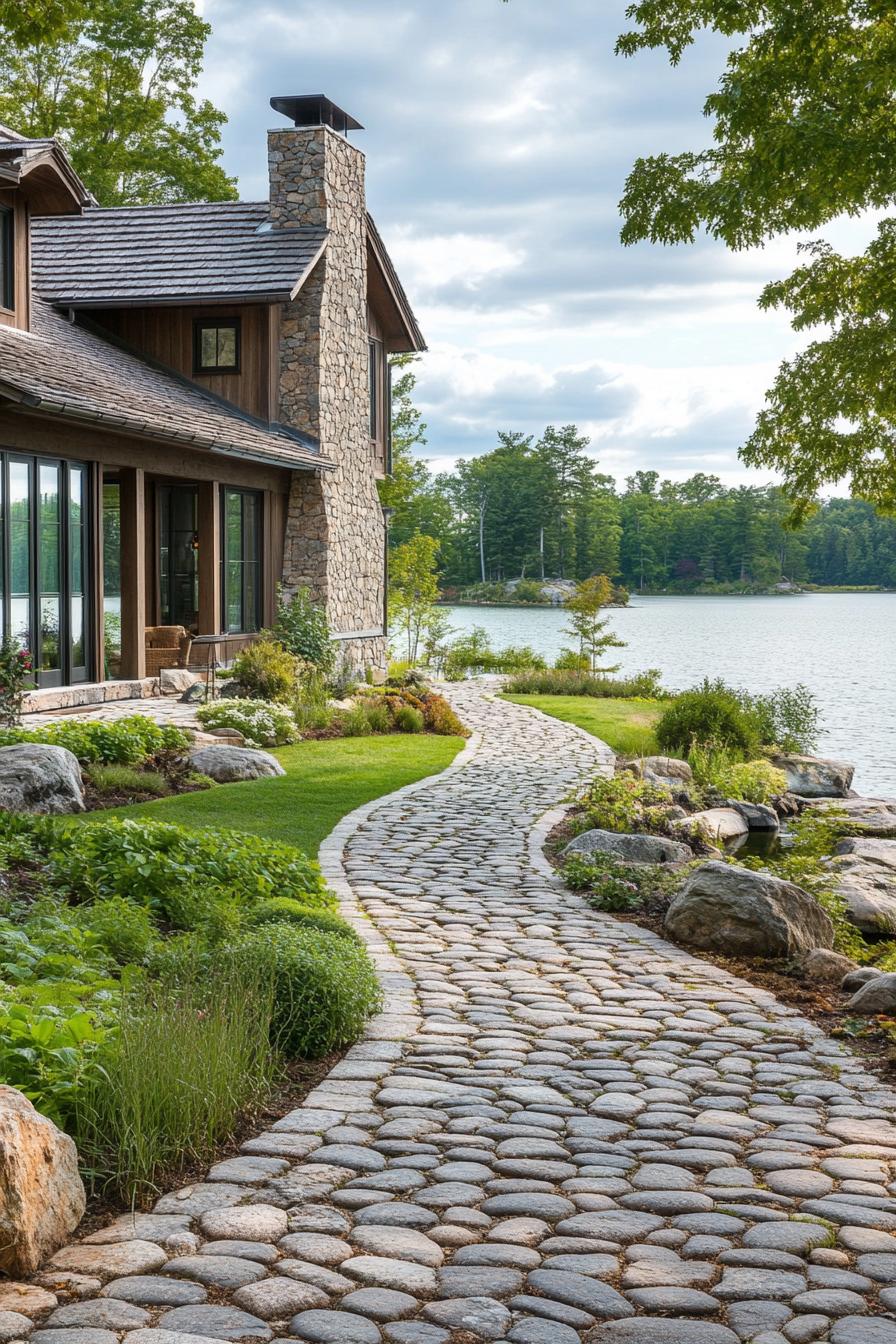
(574, 680)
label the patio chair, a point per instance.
(166, 646)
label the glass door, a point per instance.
(179, 556)
(45, 605)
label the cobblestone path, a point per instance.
(561, 1129)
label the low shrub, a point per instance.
(325, 987)
(178, 873)
(473, 653)
(301, 628)
(285, 910)
(379, 720)
(788, 717)
(569, 660)
(16, 670)
(624, 803)
(605, 883)
(409, 720)
(115, 779)
(440, 718)
(713, 714)
(127, 741)
(571, 679)
(528, 591)
(748, 781)
(262, 723)
(123, 929)
(265, 671)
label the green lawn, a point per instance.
(625, 725)
(323, 781)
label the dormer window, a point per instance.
(7, 266)
(216, 345)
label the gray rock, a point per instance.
(41, 779)
(252, 1222)
(401, 1243)
(194, 1200)
(867, 886)
(154, 1290)
(13, 1325)
(745, 1285)
(629, 848)
(261, 1251)
(277, 1298)
(647, 1331)
(823, 964)
(216, 1271)
(830, 1301)
(757, 816)
(670, 1301)
(318, 1247)
(668, 771)
(859, 977)
(718, 825)
(814, 776)
(876, 996)
(483, 1281)
(215, 1323)
(415, 1332)
(534, 1331)
(384, 1272)
(576, 1290)
(334, 1327)
(228, 765)
(381, 1304)
(860, 816)
(481, 1316)
(75, 1335)
(863, 1330)
(103, 1312)
(734, 910)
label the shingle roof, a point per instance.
(171, 253)
(63, 369)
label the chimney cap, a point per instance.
(315, 109)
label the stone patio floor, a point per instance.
(161, 709)
(562, 1128)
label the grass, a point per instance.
(625, 725)
(323, 781)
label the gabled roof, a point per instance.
(43, 166)
(383, 279)
(207, 252)
(62, 369)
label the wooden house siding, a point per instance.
(166, 334)
(18, 316)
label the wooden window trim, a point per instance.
(200, 324)
(8, 245)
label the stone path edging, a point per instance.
(561, 1128)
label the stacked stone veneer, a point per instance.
(334, 533)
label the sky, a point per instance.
(498, 140)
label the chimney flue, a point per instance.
(314, 109)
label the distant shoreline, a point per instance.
(621, 606)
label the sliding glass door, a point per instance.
(44, 545)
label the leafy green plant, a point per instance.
(623, 803)
(712, 713)
(127, 741)
(605, 883)
(123, 929)
(378, 718)
(789, 717)
(570, 660)
(409, 720)
(473, 653)
(302, 629)
(749, 781)
(261, 722)
(176, 872)
(325, 986)
(265, 670)
(16, 669)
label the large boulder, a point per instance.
(718, 824)
(823, 964)
(860, 816)
(39, 778)
(815, 777)
(41, 1194)
(228, 765)
(629, 848)
(668, 771)
(758, 816)
(866, 879)
(875, 996)
(723, 908)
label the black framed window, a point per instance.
(241, 560)
(7, 259)
(216, 345)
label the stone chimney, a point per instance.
(335, 532)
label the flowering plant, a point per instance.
(262, 723)
(15, 671)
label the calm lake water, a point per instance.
(841, 645)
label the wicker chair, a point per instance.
(166, 646)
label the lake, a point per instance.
(841, 645)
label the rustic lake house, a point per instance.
(194, 408)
